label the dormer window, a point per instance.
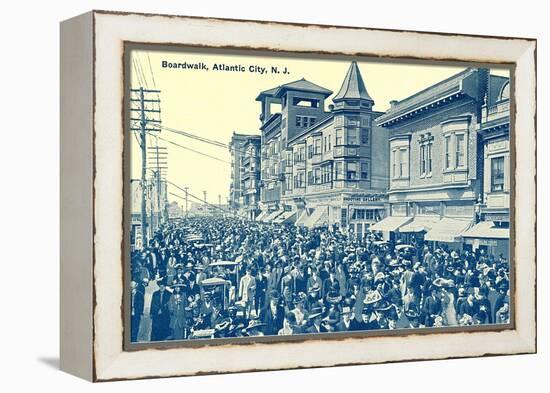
(305, 121)
(305, 102)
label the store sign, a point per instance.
(363, 198)
(497, 217)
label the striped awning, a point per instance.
(420, 224)
(390, 224)
(448, 230)
(487, 230)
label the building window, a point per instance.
(351, 171)
(426, 159)
(325, 174)
(365, 133)
(403, 163)
(422, 160)
(310, 178)
(339, 137)
(329, 142)
(447, 152)
(288, 183)
(364, 170)
(339, 171)
(497, 174)
(352, 136)
(460, 150)
(394, 163)
(429, 158)
(317, 146)
(305, 121)
(317, 175)
(310, 151)
(299, 180)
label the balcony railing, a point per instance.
(497, 111)
(344, 151)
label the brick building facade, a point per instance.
(437, 159)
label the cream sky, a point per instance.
(214, 104)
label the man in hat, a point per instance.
(289, 325)
(315, 318)
(178, 314)
(369, 319)
(348, 322)
(272, 315)
(160, 315)
(314, 298)
(432, 307)
(314, 280)
(138, 301)
(247, 289)
(261, 289)
(330, 283)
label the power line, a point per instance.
(194, 151)
(196, 197)
(210, 141)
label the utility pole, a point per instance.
(143, 139)
(144, 121)
(220, 203)
(186, 202)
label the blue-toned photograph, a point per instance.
(280, 196)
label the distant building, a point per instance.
(250, 177)
(198, 209)
(323, 167)
(237, 150)
(436, 159)
(174, 210)
(492, 232)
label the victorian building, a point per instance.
(250, 177)
(493, 211)
(323, 167)
(237, 148)
(437, 159)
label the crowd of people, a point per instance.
(225, 277)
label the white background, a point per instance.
(29, 197)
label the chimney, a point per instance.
(393, 103)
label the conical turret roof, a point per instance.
(353, 87)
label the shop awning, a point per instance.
(448, 230)
(261, 216)
(487, 230)
(286, 217)
(271, 216)
(419, 224)
(302, 218)
(318, 217)
(390, 224)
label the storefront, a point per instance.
(492, 237)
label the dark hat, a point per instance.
(274, 294)
(254, 324)
(411, 314)
(315, 312)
